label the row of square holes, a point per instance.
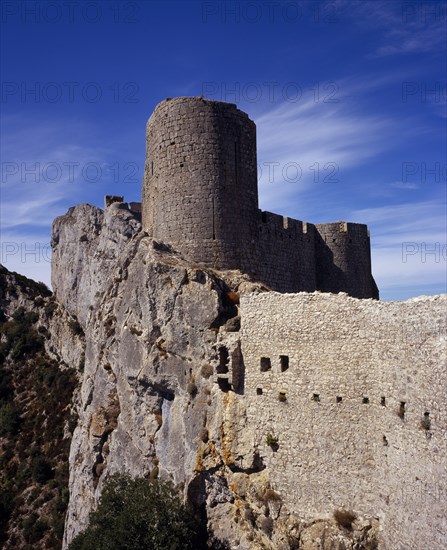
(338, 399)
(266, 365)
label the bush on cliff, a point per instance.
(9, 419)
(19, 335)
(138, 514)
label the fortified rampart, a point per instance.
(354, 393)
(200, 195)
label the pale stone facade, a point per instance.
(355, 393)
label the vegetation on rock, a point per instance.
(138, 514)
(35, 398)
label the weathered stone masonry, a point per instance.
(200, 195)
(354, 392)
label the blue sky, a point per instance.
(349, 98)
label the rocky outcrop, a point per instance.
(151, 323)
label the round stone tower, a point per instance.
(200, 182)
(343, 260)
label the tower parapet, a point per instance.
(286, 253)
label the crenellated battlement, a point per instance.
(282, 225)
(354, 230)
(200, 195)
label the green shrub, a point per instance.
(5, 512)
(26, 343)
(34, 530)
(21, 336)
(31, 317)
(50, 374)
(137, 514)
(28, 286)
(58, 523)
(61, 502)
(6, 456)
(9, 420)
(6, 390)
(50, 308)
(271, 440)
(21, 316)
(23, 473)
(72, 422)
(41, 470)
(154, 472)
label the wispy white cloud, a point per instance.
(409, 246)
(37, 185)
(301, 144)
(409, 239)
(346, 133)
(408, 27)
(42, 170)
(404, 185)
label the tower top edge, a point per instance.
(193, 101)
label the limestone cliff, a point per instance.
(158, 389)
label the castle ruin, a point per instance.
(200, 195)
(341, 401)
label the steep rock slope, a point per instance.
(36, 415)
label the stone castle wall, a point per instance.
(354, 391)
(200, 195)
(286, 253)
